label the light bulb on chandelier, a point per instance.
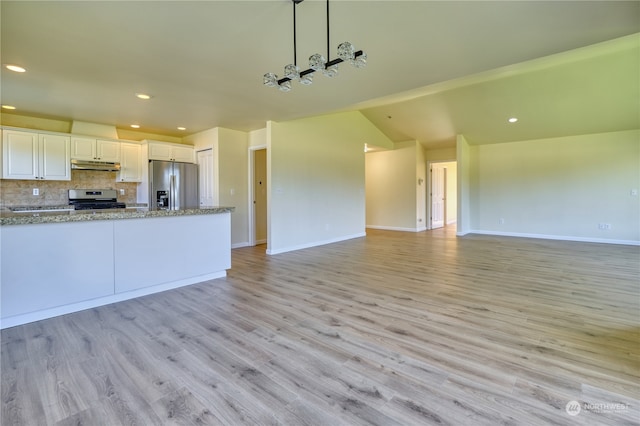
(346, 53)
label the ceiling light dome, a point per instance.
(306, 79)
(285, 86)
(360, 61)
(346, 51)
(317, 62)
(292, 71)
(331, 71)
(270, 80)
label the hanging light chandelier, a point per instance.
(317, 62)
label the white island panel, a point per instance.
(58, 263)
(177, 250)
(49, 265)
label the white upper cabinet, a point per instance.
(171, 152)
(95, 149)
(184, 154)
(34, 156)
(108, 150)
(130, 163)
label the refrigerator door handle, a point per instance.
(172, 193)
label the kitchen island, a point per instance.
(57, 262)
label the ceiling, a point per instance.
(435, 68)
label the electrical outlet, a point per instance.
(501, 221)
(36, 191)
(604, 226)
(634, 192)
(122, 191)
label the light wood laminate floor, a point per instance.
(392, 329)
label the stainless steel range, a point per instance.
(94, 199)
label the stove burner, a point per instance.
(94, 199)
(98, 206)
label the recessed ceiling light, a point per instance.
(182, 128)
(8, 107)
(135, 126)
(513, 120)
(15, 68)
(143, 96)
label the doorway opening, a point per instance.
(258, 196)
(443, 200)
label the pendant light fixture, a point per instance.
(317, 62)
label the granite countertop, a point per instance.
(61, 214)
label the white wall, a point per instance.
(316, 179)
(234, 183)
(441, 154)
(392, 194)
(559, 187)
(465, 173)
(452, 192)
(421, 188)
(258, 138)
(230, 159)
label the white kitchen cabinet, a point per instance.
(95, 149)
(130, 163)
(35, 156)
(184, 154)
(171, 152)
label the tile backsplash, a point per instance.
(55, 193)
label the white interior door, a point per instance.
(205, 177)
(438, 179)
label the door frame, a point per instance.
(251, 192)
(429, 192)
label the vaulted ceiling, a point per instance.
(435, 68)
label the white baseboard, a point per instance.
(239, 245)
(555, 237)
(315, 244)
(101, 301)
(451, 222)
(396, 228)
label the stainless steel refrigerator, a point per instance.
(172, 185)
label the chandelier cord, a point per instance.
(295, 50)
(328, 44)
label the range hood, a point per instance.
(102, 166)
